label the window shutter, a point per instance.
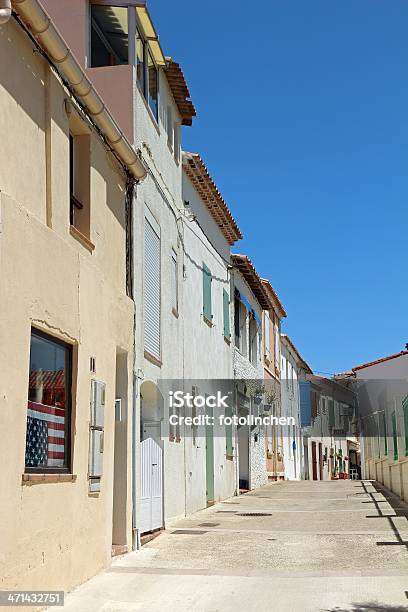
(277, 342)
(394, 434)
(226, 303)
(267, 334)
(331, 413)
(152, 288)
(207, 280)
(405, 409)
(174, 280)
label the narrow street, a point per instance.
(296, 546)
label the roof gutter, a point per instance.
(40, 25)
(5, 11)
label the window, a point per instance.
(267, 334)
(237, 326)
(384, 420)
(147, 75)
(226, 311)
(80, 182)
(207, 302)
(153, 85)
(152, 291)
(174, 281)
(176, 143)
(170, 127)
(277, 345)
(253, 340)
(394, 435)
(49, 405)
(229, 449)
(140, 62)
(405, 410)
(109, 36)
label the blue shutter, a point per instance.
(305, 403)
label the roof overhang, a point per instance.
(278, 308)
(247, 269)
(377, 361)
(199, 176)
(286, 340)
(180, 91)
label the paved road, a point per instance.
(327, 546)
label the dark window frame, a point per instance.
(68, 391)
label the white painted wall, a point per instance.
(292, 446)
(162, 196)
(244, 369)
(207, 354)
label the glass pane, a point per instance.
(47, 406)
(140, 62)
(109, 35)
(153, 85)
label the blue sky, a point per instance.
(303, 123)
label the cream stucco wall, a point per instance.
(55, 535)
(380, 380)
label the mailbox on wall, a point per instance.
(96, 435)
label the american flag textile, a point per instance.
(45, 435)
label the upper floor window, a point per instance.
(253, 340)
(147, 74)
(152, 287)
(49, 405)
(174, 281)
(79, 180)
(109, 36)
(207, 299)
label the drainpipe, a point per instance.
(50, 40)
(5, 11)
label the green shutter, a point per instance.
(226, 304)
(385, 434)
(207, 280)
(405, 409)
(331, 413)
(394, 435)
(228, 433)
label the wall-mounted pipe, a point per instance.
(5, 11)
(40, 25)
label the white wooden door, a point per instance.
(151, 486)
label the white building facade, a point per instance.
(250, 299)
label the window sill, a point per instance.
(152, 359)
(47, 478)
(207, 321)
(229, 457)
(175, 312)
(227, 340)
(81, 238)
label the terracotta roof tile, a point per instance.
(247, 269)
(274, 297)
(371, 363)
(198, 174)
(180, 91)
